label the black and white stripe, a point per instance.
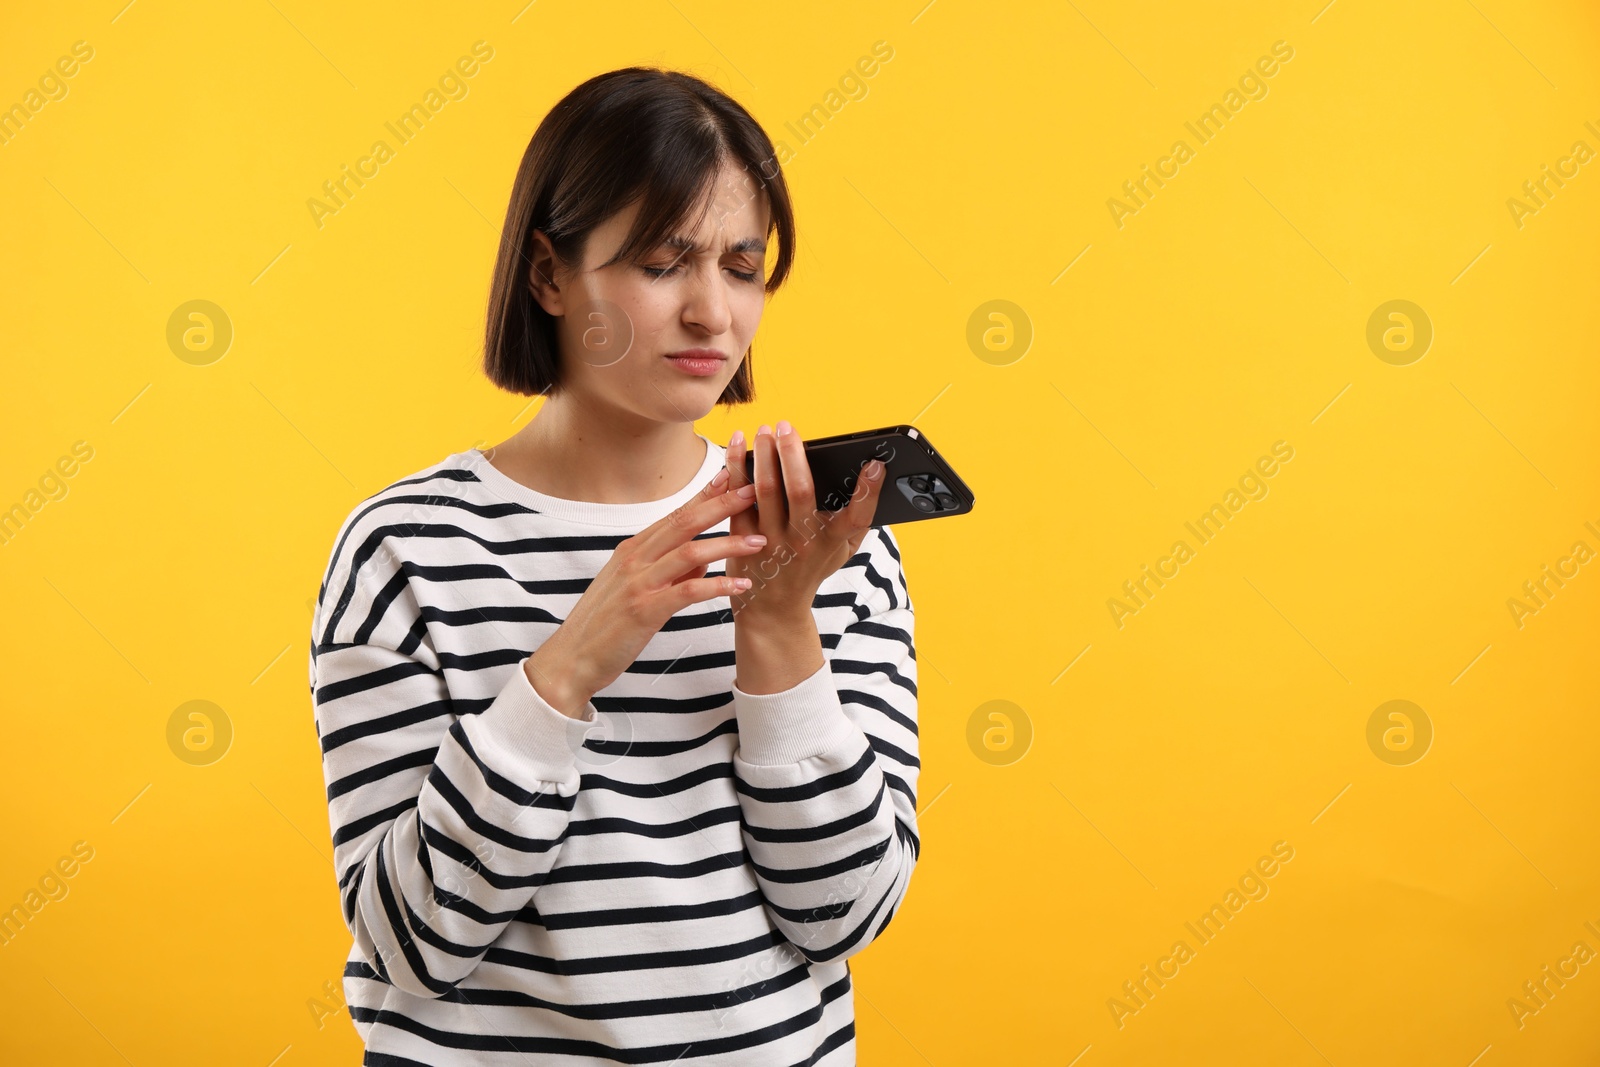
(682, 878)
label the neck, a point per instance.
(573, 450)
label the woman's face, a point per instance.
(619, 325)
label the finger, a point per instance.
(743, 522)
(717, 484)
(799, 493)
(696, 590)
(698, 515)
(855, 519)
(737, 450)
(692, 558)
(771, 511)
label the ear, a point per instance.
(542, 275)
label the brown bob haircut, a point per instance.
(636, 133)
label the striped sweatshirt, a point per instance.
(681, 877)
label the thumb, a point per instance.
(857, 517)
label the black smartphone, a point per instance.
(918, 482)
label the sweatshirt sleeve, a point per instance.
(446, 817)
(826, 773)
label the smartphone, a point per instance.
(918, 482)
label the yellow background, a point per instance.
(1229, 313)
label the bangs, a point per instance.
(674, 196)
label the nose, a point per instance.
(707, 302)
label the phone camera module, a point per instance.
(928, 493)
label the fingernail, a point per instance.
(746, 491)
(875, 469)
(784, 429)
(756, 540)
(763, 428)
(720, 477)
(736, 439)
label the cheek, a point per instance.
(642, 311)
(650, 315)
(748, 306)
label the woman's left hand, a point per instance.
(805, 544)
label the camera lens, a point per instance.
(923, 503)
(920, 483)
(948, 502)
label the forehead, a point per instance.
(737, 209)
(735, 218)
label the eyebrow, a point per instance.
(748, 244)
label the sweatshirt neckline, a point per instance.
(637, 515)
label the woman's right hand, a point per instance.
(650, 577)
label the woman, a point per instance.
(590, 800)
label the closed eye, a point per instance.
(667, 272)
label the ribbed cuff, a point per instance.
(803, 721)
(526, 739)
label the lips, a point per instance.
(697, 361)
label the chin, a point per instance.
(688, 403)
